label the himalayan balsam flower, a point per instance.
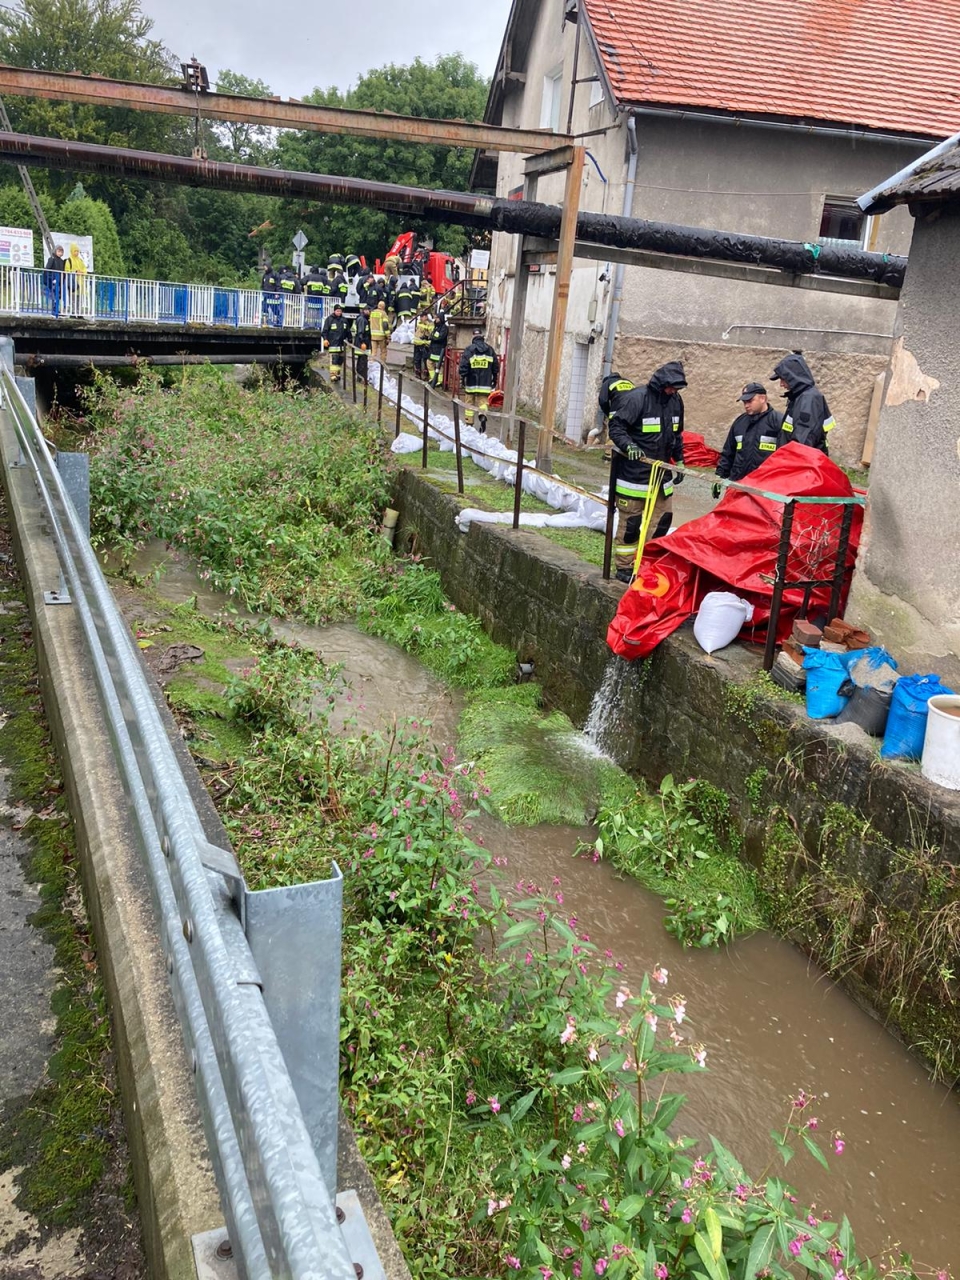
(623, 995)
(566, 1162)
(593, 1053)
(600, 1266)
(577, 1269)
(618, 1126)
(834, 1256)
(660, 975)
(699, 1055)
(471, 1098)
(838, 1144)
(528, 958)
(581, 1148)
(494, 1105)
(687, 1215)
(512, 1262)
(546, 1273)
(651, 1020)
(660, 1271)
(569, 1032)
(679, 1009)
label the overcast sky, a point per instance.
(295, 46)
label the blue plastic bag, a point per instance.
(907, 724)
(865, 663)
(826, 672)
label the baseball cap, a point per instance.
(752, 389)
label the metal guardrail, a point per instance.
(28, 291)
(255, 976)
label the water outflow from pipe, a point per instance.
(608, 706)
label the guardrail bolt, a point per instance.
(224, 1249)
(194, 1061)
(170, 964)
(341, 1216)
(188, 929)
(359, 1270)
(165, 846)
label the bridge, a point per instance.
(59, 319)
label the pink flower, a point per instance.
(660, 1271)
(512, 1262)
(471, 1098)
(577, 1269)
(699, 1055)
(687, 1215)
(623, 995)
(528, 958)
(679, 1009)
(566, 1162)
(838, 1144)
(569, 1032)
(600, 1266)
(584, 1223)
(834, 1256)
(741, 1191)
(577, 1114)
(651, 1020)
(546, 1272)
(593, 1053)
(494, 1105)
(618, 1126)
(620, 1250)
(660, 975)
(813, 1123)
(581, 1148)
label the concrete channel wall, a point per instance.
(852, 820)
(176, 1192)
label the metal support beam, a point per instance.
(548, 162)
(558, 312)
(272, 112)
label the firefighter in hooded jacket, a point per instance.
(646, 424)
(808, 417)
(335, 333)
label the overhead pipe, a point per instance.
(517, 217)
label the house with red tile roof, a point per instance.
(750, 116)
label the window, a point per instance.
(843, 222)
(596, 92)
(550, 102)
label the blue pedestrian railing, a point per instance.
(26, 291)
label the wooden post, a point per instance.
(873, 419)
(353, 371)
(611, 515)
(456, 439)
(380, 398)
(518, 485)
(521, 276)
(558, 314)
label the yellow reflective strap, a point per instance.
(830, 423)
(651, 430)
(766, 448)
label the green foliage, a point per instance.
(87, 217)
(449, 88)
(665, 844)
(276, 494)
(407, 605)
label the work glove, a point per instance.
(716, 491)
(633, 452)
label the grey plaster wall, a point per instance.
(908, 584)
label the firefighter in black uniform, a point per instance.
(404, 300)
(479, 367)
(438, 348)
(335, 332)
(808, 417)
(315, 289)
(752, 438)
(361, 341)
(646, 424)
(351, 266)
(339, 286)
(270, 285)
(289, 283)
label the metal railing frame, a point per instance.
(279, 1210)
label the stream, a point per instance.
(771, 1021)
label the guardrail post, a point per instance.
(396, 430)
(786, 527)
(611, 515)
(380, 397)
(353, 371)
(457, 446)
(518, 483)
(426, 424)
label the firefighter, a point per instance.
(614, 383)
(808, 417)
(339, 286)
(360, 341)
(391, 266)
(351, 266)
(270, 285)
(479, 367)
(380, 331)
(438, 348)
(752, 437)
(391, 284)
(289, 283)
(336, 330)
(427, 293)
(404, 302)
(421, 344)
(315, 289)
(335, 262)
(646, 423)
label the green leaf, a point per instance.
(569, 1075)
(815, 1151)
(716, 1266)
(650, 1263)
(714, 1231)
(519, 930)
(786, 1151)
(761, 1251)
(520, 1109)
(668, 1110)
(630, 1206)
(727, 1163)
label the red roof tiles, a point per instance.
(881, 64)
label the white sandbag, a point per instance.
(403, 333)
(719, 619)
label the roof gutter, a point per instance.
(872, 202)
(850, 132)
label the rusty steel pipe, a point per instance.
(518, 217)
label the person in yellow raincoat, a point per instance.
(76, 268)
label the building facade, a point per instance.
(733, 115)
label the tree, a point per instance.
(238, 141)
(450, 88)
(82, 216)
(15, 211)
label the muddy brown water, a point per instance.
(771, 1021)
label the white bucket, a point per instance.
(941, 745)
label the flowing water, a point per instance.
(772, 1023)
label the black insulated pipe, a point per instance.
(518, 217)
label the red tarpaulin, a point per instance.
(734, 548)
(697, 453)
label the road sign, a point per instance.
(300, 241)
(298, 261)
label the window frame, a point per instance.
(551, 99)
(846, 205)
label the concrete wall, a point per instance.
(908, 584)
(706, 174)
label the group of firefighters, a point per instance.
(646, 426)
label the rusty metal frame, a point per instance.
(272, 112)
